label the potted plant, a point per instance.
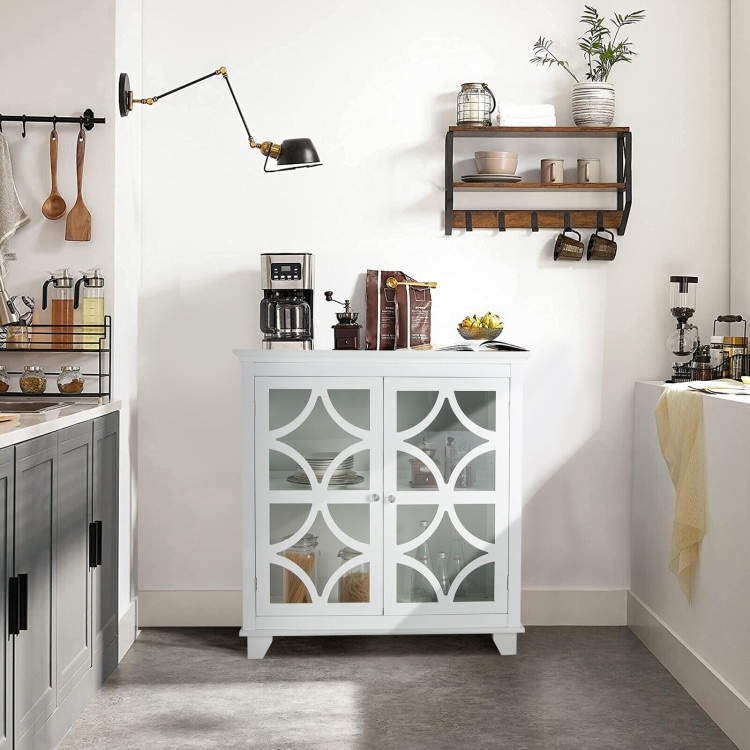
(594, 99)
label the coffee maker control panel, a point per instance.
(286, 272)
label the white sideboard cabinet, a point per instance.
(352, 462)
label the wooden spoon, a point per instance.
(54, 207)
(78, 226)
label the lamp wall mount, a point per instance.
(292, 153)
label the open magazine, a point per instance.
(495, 346)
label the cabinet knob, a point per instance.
(375, 497)
(391, 498)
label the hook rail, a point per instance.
(86, 120)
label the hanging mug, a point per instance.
(568, 248)
(601, 248)
(475, 104)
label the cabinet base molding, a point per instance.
(716, 696)
(128, 629)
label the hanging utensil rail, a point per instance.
(86, 120)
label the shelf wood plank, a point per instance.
(565, 131)
(584, 219)
(594, 186)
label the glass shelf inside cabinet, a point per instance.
(466, 536)
(318, 437)
(446, 440)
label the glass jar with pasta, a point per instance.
(354, 584)
(303, 553)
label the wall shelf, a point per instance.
(502, 219)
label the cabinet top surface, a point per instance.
(375, 358)
(29, 426)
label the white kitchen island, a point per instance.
(349, 452)
(706, 644)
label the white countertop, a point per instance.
(33, 425)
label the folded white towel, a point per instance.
(539, 122)
(12, 214)
(508, 109)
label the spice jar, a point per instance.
(304, 553)
(354, 585)
(70, 379)
(4, 379)
(33, 380)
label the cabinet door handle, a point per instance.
(23, 601)
(99, 538)
(93, 547)
(391, 498)
(13, 606)
(375, 497)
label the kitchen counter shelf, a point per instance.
(94, 358)
(469, 219)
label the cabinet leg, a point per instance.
(257, 646)
(505, 642)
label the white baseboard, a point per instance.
(728, 709)
(128, 629)
(224, 608)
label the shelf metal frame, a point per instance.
(470, 219)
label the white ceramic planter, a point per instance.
(593, 104)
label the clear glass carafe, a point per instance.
(90, 302)
(421, 588)
(61, 303)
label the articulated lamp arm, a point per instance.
(291, 153)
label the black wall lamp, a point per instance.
(292, 153)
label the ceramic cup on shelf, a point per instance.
(552, 170)
(588, 170)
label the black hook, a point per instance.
(23, 120)
(1, 123)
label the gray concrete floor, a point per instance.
(569, 688)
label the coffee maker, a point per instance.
(286, 310)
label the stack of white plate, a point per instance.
(319, 463)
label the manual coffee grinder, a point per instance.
(346, 331)
(684, 340)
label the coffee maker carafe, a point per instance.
(286, 310)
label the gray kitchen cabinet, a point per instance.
(59, 531)
(35, 551)
(106, 484)
(7, 474)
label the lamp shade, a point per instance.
(298, 152)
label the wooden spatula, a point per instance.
(78, 224)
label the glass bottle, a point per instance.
(33, 380)
(305, 554)
(62, 308)
(354, 585)
(456, 561)
(70, 379)
(4, 379)
(421, 589)
(91, 303)
(442, 572)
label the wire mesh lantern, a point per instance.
(475, 104)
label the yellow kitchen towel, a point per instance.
(679, 423)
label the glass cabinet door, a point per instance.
(446, 490)
(318, 485)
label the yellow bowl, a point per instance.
(479, 334)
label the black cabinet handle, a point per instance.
(23, 601)
(99, 538)
(93, 533)
(13, 606)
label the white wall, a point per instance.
(376, 92)
(61, 62)
(740, 301)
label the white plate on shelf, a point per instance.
(491, 178)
